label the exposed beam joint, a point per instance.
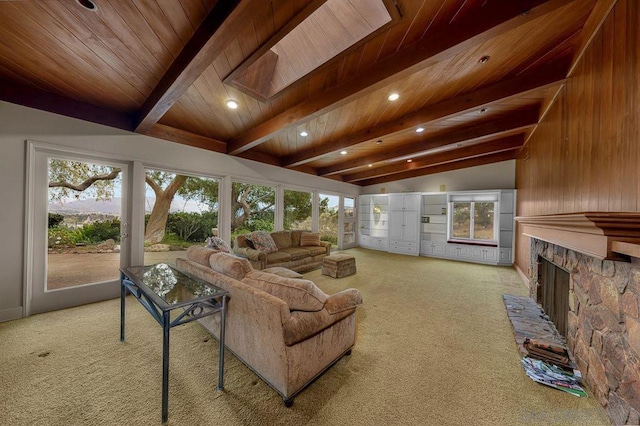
(477, 150)
(212, 36)
(494, 19)
(183, 137)
(473, 162)
(511, 124)
(451, 107)
(28, 96)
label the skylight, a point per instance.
(331, 29)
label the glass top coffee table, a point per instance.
(162, 289)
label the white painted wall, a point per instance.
(18, 124)
(491, 176)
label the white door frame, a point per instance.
(35, 224)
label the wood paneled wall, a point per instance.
(585, 154)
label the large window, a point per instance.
(253, 208)
(297, 210)
(179, 211)
(472, 217)
(328, 220)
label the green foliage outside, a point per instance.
(253, 206)
(297, 210)
(328, 222)
(55, 220)
(93, 233)
(193, 227)
(59, 236)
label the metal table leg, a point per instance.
(165, 365)
(123, 294)
(223, 320)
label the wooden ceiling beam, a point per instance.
(261, 157)
(516, 122)
(467, 152)
(183, 137)
(218, 29)
(21, 94)
(462, 104)
(494, 19)
(473, 162)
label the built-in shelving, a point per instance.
(433, 224)
(373, 220)
(418, 223)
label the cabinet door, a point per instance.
(505, 256)
(396, 202)
(396, 225)
(411, 228)
(411, 202)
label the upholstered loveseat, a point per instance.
(290, 254)
(286, 330)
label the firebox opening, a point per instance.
(553, 293)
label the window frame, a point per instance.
(472, 199)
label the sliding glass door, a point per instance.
(78, 229)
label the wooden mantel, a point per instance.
(599, 234)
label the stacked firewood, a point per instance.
(548, 352)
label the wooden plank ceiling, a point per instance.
(475, 76)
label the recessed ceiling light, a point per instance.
(393, 97)
(483, 110)
(370, 165)
(409, 160)
(343, 152)
(87, 4)
(232, 104)
(304, 134)
(484, 59)
(420, 130)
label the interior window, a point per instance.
(472, 217)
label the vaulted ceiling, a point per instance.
(474, 77)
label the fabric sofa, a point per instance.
(290, 253)
(286, 330)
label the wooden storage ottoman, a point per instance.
(339, 265)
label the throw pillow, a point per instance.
(309, 239)
(263, 242)
(299, 294)
(219, 244)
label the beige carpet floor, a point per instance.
(434, 347)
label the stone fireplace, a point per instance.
(601, 253)
(603, 326)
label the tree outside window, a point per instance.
(473, 220)
(297, 210)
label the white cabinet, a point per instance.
(404, 223)
(432, 248)
(373, 220)
(484, 254)
(506, 226)
(433, 224)
(505, 256)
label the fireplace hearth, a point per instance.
(602, 321)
